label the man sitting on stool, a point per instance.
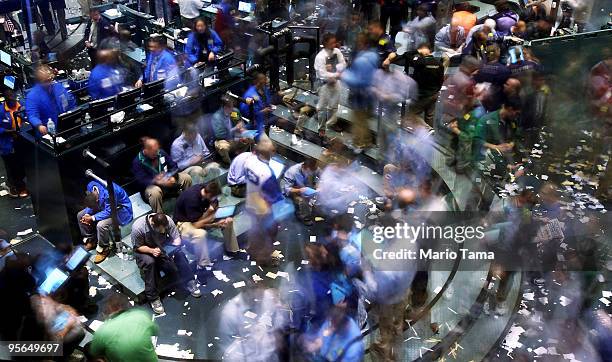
(192, 156)
(226, 124)
(97, 216)
(157, 174)
(156, 243)
(195, 213)
(298, 179)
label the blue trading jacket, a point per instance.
(258, 118)
(105, 81)
(192, 49)
(8, 122)
(124, 211)
(42, 104)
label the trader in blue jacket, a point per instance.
(95, 220)
(160, 63)
(258, 107)
(47, 100)
(203, 44)
(107, 78)
(10, 122)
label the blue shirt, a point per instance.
(294, 177)
(8, 122)
(258, 118)
(236, 175)
(105, 81)
(42, 104)
(222, 125)
(124, 209)
(361, 72)
(193, 48)
(182, 151)
(343, 345)
(162, 63)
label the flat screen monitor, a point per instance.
(225, 211)
(53, 281)
(9, 81)
(5, 58)
(128, 99)
(68, 122)
(101, 108)
(152, 90)
(78, 257)
(246, 7)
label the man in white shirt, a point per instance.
(329, 63)
(190, 10)
(263, 191)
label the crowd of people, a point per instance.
(468, 86)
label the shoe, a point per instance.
(90, 244)
(13, 193)
(24, 193)
(157, 306)
(194, 289)
(501, 309)
(237, 255)
(101, 256)
(486, 308)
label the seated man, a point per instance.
(226, 125)
(156, 174)
(157, 244)
(190, 153)
(236, 175)
(96, 216)
(298, 181)
(449, 41)
(195, 213)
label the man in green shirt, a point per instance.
(126, 334)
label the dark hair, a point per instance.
(227, 100)
(90, 200)
(513, 102)
(424, 44)
(116, 302)
(376, 23)
(213, 188)
(343, 222)
(327, 37)
(310, 163)
(157, 39)
(501, 5)
(159, 219)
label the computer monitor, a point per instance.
(101, 109)
(153, 92)
(9, 81)
(68, 122)
(128, 99)
(5, 58)
(53, 281)
(79, 257)
(246, 7)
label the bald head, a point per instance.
(150, 148)
(512, 87)
(406, 197)
(265, 148)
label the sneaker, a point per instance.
(194, 289)
(101, 256)
(501, 309)
(486, 308)
(240, 254)
(157, 306)
(90, 244)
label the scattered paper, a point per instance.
(25, 232)
(216, 292)
(239, 284)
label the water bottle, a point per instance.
(88, 123)
(50, 126)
